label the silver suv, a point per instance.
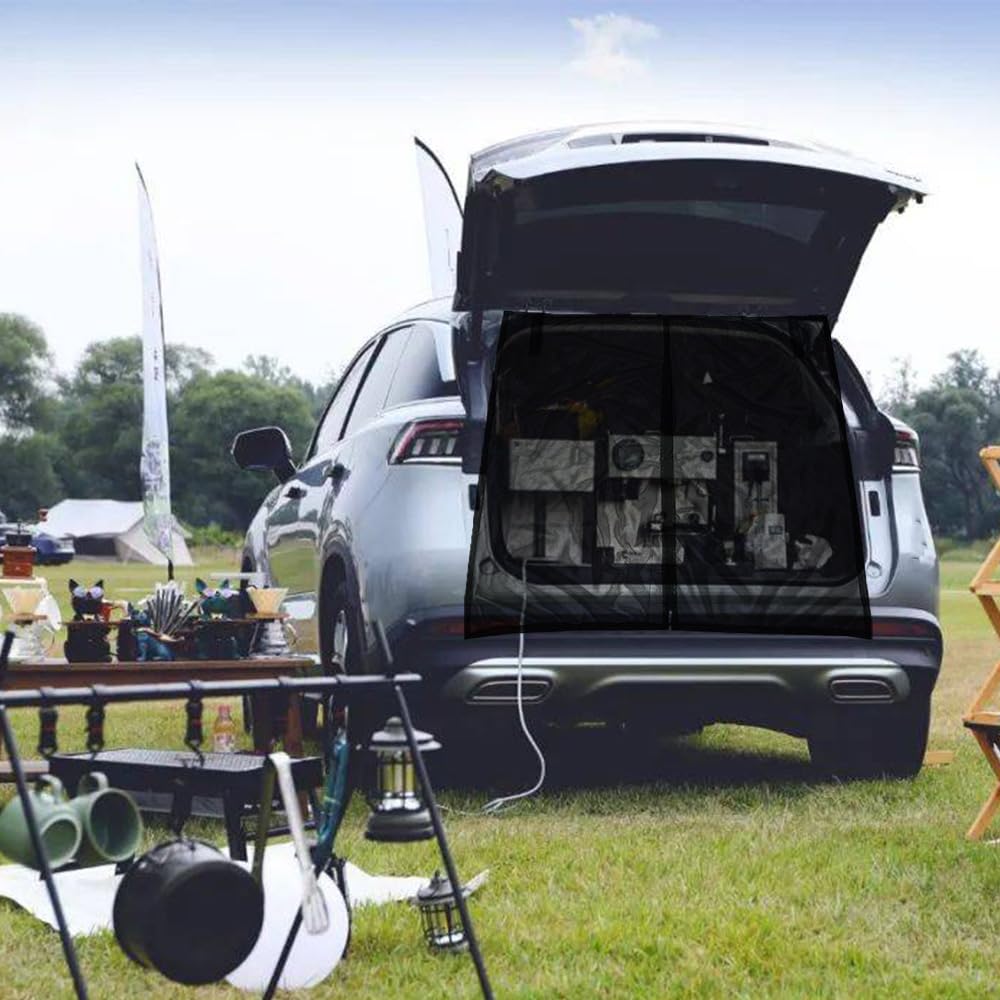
(375, 524)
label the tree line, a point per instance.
(956, 413)
(79, 435)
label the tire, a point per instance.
(891, 748)
(340, 623)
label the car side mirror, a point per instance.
(264, 448)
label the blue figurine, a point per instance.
(149, 646)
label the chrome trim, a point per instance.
(510, 662)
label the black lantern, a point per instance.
(399, 813)
(440, 915)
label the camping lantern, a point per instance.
(440, 915)
(399, 813)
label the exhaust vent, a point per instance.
(861, 689)
(503, 691)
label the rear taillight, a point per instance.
(907, 450)
(428, 442)
(903, 628)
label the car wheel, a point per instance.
(892, 748)
(341, 643)
(341, 648)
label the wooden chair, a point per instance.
(982, 721)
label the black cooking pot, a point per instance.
(188, 911)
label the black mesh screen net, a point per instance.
(666, 472)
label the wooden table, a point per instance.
(59, 673)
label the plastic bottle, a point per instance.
(224, 731)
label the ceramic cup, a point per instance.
(60, 829)
(110, 820)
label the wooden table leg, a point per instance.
(982, 821)
(263, 723)
(292, 737)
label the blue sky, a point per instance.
(276, 142)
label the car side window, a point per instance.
(371, 399)
(418, 374)
(332, 423)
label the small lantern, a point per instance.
(399, 813)
(440, 915)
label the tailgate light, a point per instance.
(903, 628)
(428, 442)
(907, 450)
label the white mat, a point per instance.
(88, 894)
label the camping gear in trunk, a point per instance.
(664, 472)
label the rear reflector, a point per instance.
(907, 450)
(903, 628)
(428, 442)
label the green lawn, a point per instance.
(731, 874)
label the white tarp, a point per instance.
(88, 894)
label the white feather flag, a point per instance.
(154, 466)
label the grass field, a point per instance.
(721, 869)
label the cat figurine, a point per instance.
(215, 638)
(87, 601)
(87, 634)
(217, 602)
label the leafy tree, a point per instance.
(24, 364)
(272, 370)
(955, 416)
(119, 360)
(211, 410)
(99, 420)
(899, 388)
(102, 431)
(28, 474)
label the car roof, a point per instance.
(433, 309)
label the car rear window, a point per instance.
(791, 221)
(418, 373)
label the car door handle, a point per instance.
(295, 493)
(336, 472)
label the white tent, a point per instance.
(111, 528)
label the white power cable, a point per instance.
(498, 805)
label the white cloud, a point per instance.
(606, 40)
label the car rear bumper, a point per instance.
(797, 684)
